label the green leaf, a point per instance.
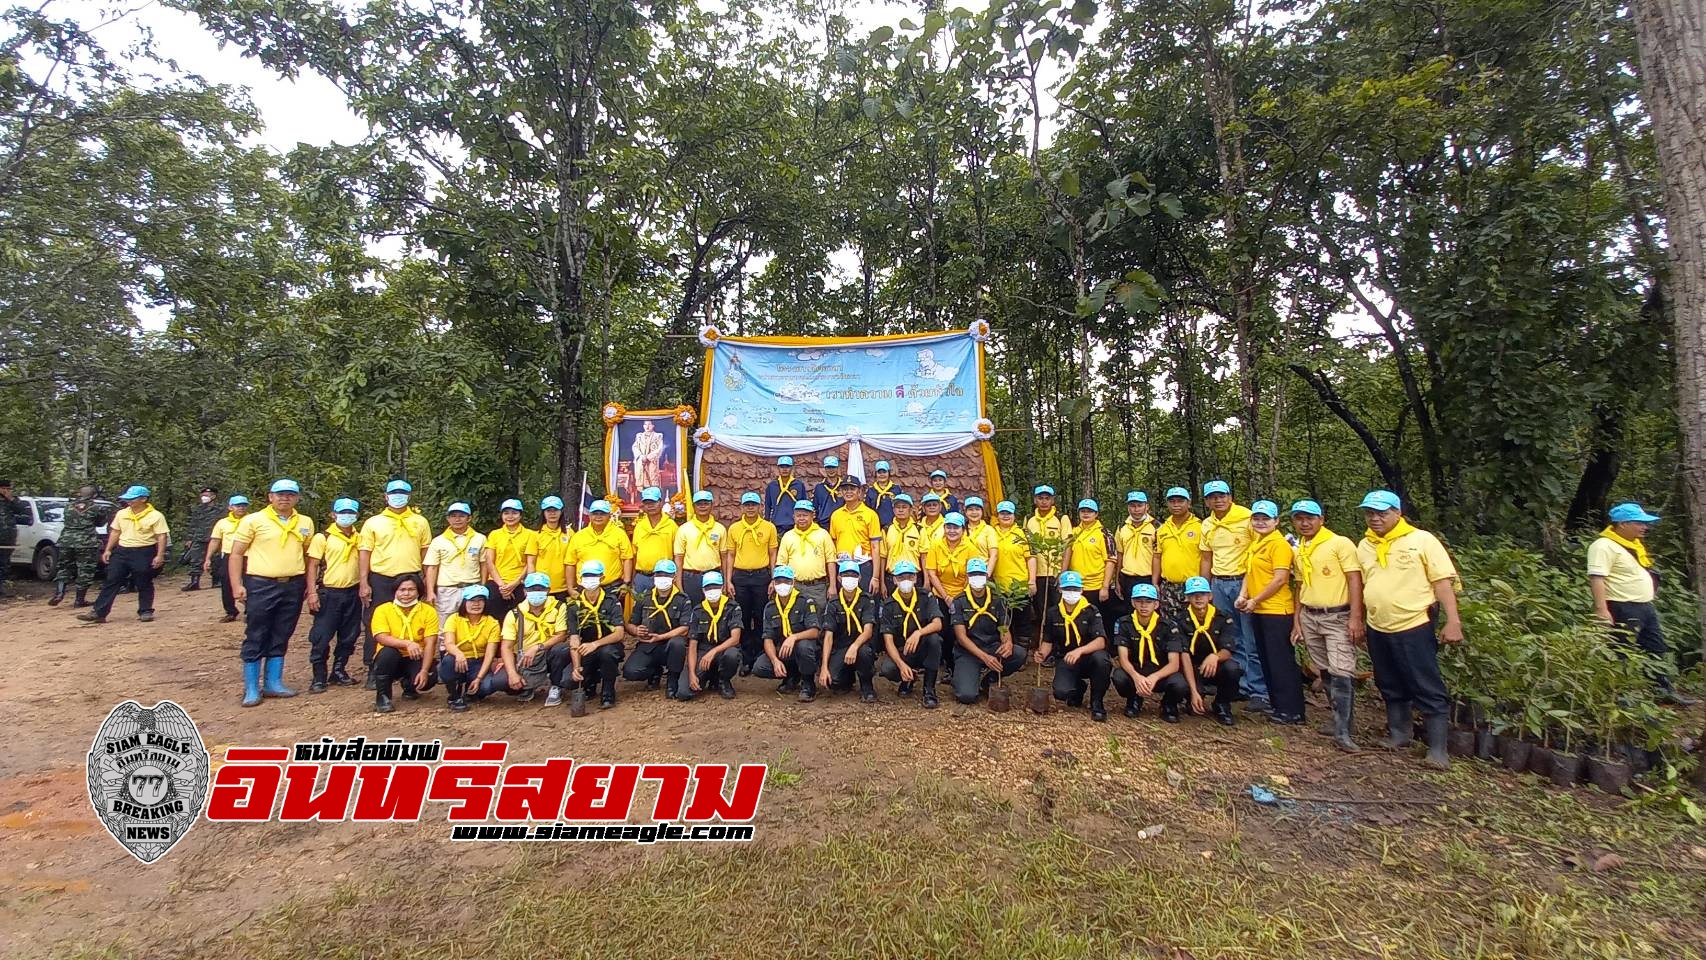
(1069, 183)
(881, 35)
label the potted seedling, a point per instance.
(1049, 551)
(1610, 719)
(1011, 594)
(1567, 765)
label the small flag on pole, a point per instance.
(586, 501)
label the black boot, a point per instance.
(381, 697)
(1436, 730)
(808, 689)
(371, 683)
(194, 584)
(82, 599)
(318, 684)
(1342, 690)
(1223, 713)
(341, 677)
(1169, 711)
(676, 689)
(726, 690)
(1098, 712)
(607, 698)
(58, 594)
(867, 692)
(457, 690)
(1398, 731)
(1133, 706)
(930, 701)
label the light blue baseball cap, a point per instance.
(1307, 506)
(459, 507)
(973, 502)
(1380, 500)
(1089, 504)
(238, 500)
(1178, 492)
(1144, 591)
(784, 461)
(551, 503)
(650, 493)
(592, 568)
(1006, 506)
(848, 566)
(750, 497)
(804, 505)
(1136, 496)
(536, 579)
(479, 592)
(954, 519)
(932, 497)
(905, 498)
(939, 473)
(881, 466)
(1631, 512)
(1072, 578)
(832, 461)
(510, 504)
(711, 579)
(133, 491)
(599, 506)
(906, 567)
(1043, 490)
(342, 505)
(704, 496)
(399, 486)
(1265, 508)
(664, 566)
(977, 565)
(1217, 486)
(782, 572)
(284, 485)
(1197, 585)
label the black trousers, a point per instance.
(496, 606)
(1094, 669)
(1639, 624)
(1112, 609)
(1279, 662)
(339, 619)
(928, 656)
(802, 664)
(601, 667)
(1225, 679)
(693, 584)
(724, 666)
(647, 661)
(970, 673)
(274, 608)
(1406, 669)
(842, 673)
(751, 591)
(390, 666)
(220, 564)
(1173, 689)
(384, 590)
(132, 565)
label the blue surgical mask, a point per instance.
(536, 597)
(346, 519)
(396, 501)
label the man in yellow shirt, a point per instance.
(755, 541)
(1049, 525)
(1623, 585)
(808, 551)
(219, 547)
(858, 534)
(332, 596)
(654, 538)
(903, 540)
(455, 561)
(1405, 572)
(511, 550)
(135, 552)
(1090, 552)
(1329, 611)
(1134, 543)
(392, 545)
(552, 542)
(604, 542)
(1178, 556)
(1223, 559)
(268, 565)
(701, 546)
(1267, 600)
(931, 510)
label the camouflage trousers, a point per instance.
(77, 566)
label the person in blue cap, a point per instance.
(939, 487)
(880, 495)
(1270, 605)
(1208, 651)
(710, 654)
(981, 622)
(701, 545)
(931, 517)
(850, 635)
(214, 564)
(1134, 545)
(1178, 551)
(1406, 573)
(911, 624)
(332, 597)
(979, 530)
(1624, 584)
(1073, 626)
(535, 639)
(793, 630)
(1329, 612)
(1150, 653)
(1223, 559)
(826, 496)
(596, 634)
(393, 544)
(551, 541)
(1090, 552)
(269, 563)
(755, 542)
(135, 552)
(510, 554)
(471, 647)
(781, 493)
(1048, 525)
(809, 552)
(659, 616)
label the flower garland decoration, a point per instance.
(703, 438)
(708, 336)
(980, 330)
(984, 428)
(853, 434)
(685, 415)
(613, 414)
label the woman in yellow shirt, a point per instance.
(405, 641)
(471, 648)
(1266, 597)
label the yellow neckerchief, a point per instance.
(715, 615)
(473, 625)
(1083, 528)
(598, 534)
(402, 514)
(883, 491)
(289, 528)
(749, 529)
(460, 544)
(349, 542)
(1636, 547)
(835, 487)
(137, 518)
(973, 526)
(1307, 548)
(1178, 527)
(703, 529)
(663, 607)
(1383, 545)
(784, 486)
(783, 609)
(509, 541)
(943, 493)
(1048, 519)
(408, 613)
(593, 608)
(1256, 545)
(1200, 629)
(541, 622)
(558, 529)
(1146, 637)
(1138, 525)
(980, 610)
(231, 515)
(908, 531)
(1069, 620)
(848, 610)
(908, 612)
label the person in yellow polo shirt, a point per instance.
(755, 542)
(455, 560)
(931, 511)
(1329, 611)
(552, 542)
(1266, 598)
(604, 542)
(1223, 557)
(979, 530)
(332, 598)
(903, 540)
(1178, 556)
(535, 639)
(1012, 570)
(471, 647)
(135, 552)
(701, 546)
(1405, 572)
(858, 533)
(1090, 552)
(654, 538)
(1623, 585)
(1134, 544)
(945, 574)
(808, 551)
(393, 543)
(509, 556)
(1048, 530)
(218, 549)
(269, 562)
(406, 632)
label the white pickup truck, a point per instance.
(39, 522)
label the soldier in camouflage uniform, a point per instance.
(8, 533)
(79, 546)
(207, 512)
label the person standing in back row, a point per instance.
(1134, 544)
(1267, 600)
(392, 546)
(755, 542)
(217, 558)
(1051, 530)
(268, 563)
(135, 552)
(333, 597)
(1329, 611)
(780, 495)
(1224, 558)
(880, 496)
(826, 496)
(1178, 554)
(1624, 584)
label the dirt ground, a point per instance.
(66, 888)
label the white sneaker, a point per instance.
(553, 696)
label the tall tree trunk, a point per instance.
(1671, 38)
(1389, 469)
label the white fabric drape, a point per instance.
(900, 444)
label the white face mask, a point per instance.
(591, 583)
(346, 519)
(396, 501)
(206, 498)
(537, 597)
(783, 589)
(976, 581)
(849, 583)
(1071, 597)
(406, 604)
(713, 594)
(904, 586)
